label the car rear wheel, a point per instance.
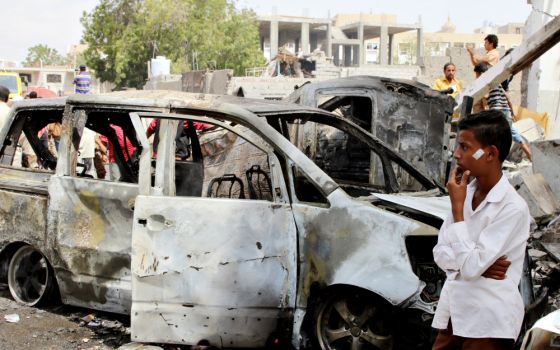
(30, 278)
(353, 321)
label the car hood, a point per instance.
(429, 207)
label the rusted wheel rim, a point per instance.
(353, 322)
(28, 276)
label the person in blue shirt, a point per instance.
(83, 81)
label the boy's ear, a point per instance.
(493, 153)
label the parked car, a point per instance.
(244, 242)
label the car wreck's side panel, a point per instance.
(23, 210)
(23, 206)
(90, 229)
(355, 244)
(416, 128)
(217, 269)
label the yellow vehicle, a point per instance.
(12, 81)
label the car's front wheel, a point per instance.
(353, 320)
(30, 278)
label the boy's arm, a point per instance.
(474, 259)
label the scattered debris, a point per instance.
(543, 204)
(546, 161)
(139, 346)
(12, 318)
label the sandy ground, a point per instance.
(57, 328)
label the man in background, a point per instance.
(82, 81)
(492, 55)
(4, 108)
(448, 81)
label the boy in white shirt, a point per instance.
(484, 237)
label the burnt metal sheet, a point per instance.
(23, 218)
(217, 269)
(90, 229)
(409, 117)
(354, 243)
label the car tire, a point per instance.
(351, 320)
(30, 277)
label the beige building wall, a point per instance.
(343, 19)
(436, 44)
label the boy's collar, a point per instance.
(497, 192)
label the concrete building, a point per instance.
(57, 79)
(438, 43)
(346, 39)
(540, 82)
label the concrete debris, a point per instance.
(139, 346)
(543, 204)
(88, 318)
(12, 318)
(546, 161)
(516, 171)
(536, 254)
(530, 130)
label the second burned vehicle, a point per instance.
(243, 242)
(409, 117)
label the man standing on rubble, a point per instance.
(448, 81)
(492, 55)
(484, 237)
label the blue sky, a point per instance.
(56, 23)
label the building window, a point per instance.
(54, 78)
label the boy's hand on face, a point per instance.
(498, 269)
(457, 188)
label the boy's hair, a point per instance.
(492, 39)
(490, 128)
(480, 68)
(4, 93)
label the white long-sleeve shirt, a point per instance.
(481, 307)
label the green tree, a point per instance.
(194, 34)
(42, 55)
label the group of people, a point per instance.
(481, 245)
(497, 98)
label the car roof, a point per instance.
(193, 103)
(381, 84)
(179, 99)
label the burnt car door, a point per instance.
(90, 216)
(218, 263)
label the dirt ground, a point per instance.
(58, 328)
(66, 327)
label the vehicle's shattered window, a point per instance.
(33, 140)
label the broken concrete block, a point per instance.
(536, 254)
(546, 161)
(530, 130)
(542, 202)
(139, 346)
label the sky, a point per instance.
(56, 23)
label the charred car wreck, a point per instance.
(244, 241)
(410, 117)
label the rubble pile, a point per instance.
(111, 331)
(544, 251)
